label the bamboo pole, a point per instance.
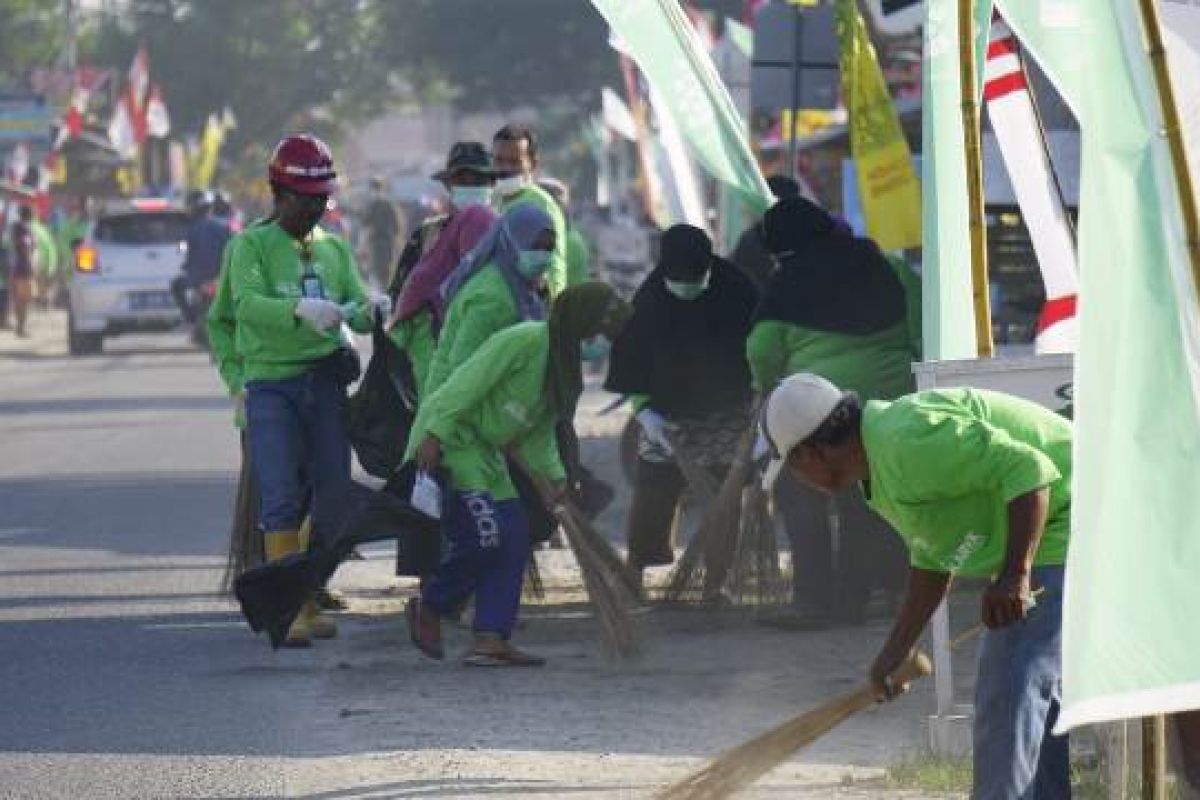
(1154, 758)
(974, 156)
(1173, 130)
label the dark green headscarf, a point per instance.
(580, 312)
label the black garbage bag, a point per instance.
(271, 595)
(418, 551)
(380, 413)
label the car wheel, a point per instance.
(83, 344)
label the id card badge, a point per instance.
(310, 283)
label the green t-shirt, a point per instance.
(944, 465)
(415, 337)
(579, 257)
(265, 273)
(494, 401)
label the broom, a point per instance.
(608, 582)
(738, 768)
(743, 765)
(715, 542)
(607, 588)
(756, 575)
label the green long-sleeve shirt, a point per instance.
(878, 365)
(265, 280)
(556, 274)
(483, 307)
(494, 401)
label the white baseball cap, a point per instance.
(793, 412)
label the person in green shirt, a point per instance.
(515, 158)
(835, 307)
(978, 484)
(292, 287)
(419, 306)
(500, 283)
(508, 398)
(579, 251)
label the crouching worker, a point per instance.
(507, 398)
(976, 483)
(292, 287)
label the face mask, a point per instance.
(533, 263)
(511, 184)
(595, 348)
(686, 290)
(463, 196)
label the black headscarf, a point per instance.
(688, 356)
(829, 279)
(580, 312)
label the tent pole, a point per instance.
(974, 154)
(1173, 130)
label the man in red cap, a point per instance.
(293, 286)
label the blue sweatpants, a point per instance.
(298, 444)
(487, 547)
(1017, 694)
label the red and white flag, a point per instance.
(121, 131)
(158, 119)
(1023, 147)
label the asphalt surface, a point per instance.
(122, 673)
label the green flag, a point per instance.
(661, 39)
(1131, 643)
(947, 309)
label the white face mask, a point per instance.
(510, 185)
(463, 196)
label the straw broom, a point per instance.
(605, 578)
(738, 768)
(743, 765)
(607, 588)
(755, 574)
(713, 546)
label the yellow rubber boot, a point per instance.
(319, 625)
(277, 545)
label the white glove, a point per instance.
(655, 426)
(322, 314)
(380, 305)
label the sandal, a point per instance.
(503, 656)
(425, 637)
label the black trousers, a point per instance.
(869, 554)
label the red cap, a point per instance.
(303, 164)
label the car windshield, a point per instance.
(143, 228)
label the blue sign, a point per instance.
(25, 118)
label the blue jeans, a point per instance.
(487, 548)
(299, 452)
(1017, 695)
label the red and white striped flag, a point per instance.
(1023, 147)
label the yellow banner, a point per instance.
(887, 183)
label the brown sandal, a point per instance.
(504, 655)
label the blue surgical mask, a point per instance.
(533, 263)
(595, 348)
(686, 290)
(509, 185)
(463, 196)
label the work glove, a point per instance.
(319, 312)
(656, 428)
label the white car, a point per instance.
(123, 273)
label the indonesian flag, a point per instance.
(121, 131)
(158, 119)
(1019, 135)
(75, 112)
(139, 78)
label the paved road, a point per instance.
(121, 673)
